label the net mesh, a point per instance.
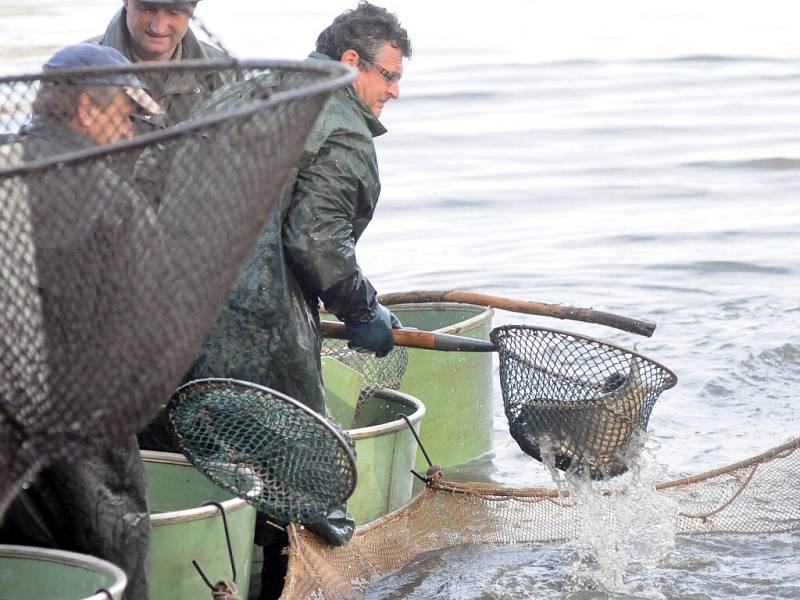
(758, 495)
(580, 400)
(107, 288)
(386, 372)
(264, 447)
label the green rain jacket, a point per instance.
(178, 93)
(268, 332)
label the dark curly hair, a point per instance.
(364, 29)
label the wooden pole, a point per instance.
(558, 311)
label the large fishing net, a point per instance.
(757, 495)
(582, 401)
(117, 257)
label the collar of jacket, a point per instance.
(117, 36)
(376, 128)
(56, 133)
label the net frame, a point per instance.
(582, 401)
(179, 130)
(269, 449)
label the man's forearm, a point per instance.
(352, 300)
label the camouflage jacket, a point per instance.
(177, 93)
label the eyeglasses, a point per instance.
(391, 77)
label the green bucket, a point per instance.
(183, 530)
(385, 453)
(38, 574)
(456, 387)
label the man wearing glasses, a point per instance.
(269, 331)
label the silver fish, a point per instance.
(591, 434)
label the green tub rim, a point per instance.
(186, 514)
(72, 559)
(455, 328)
(391, 426)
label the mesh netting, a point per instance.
(758, 495)
(264, 447)
(580, 400)
(103, 299)
(386, 372)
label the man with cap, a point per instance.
(97, 107)
(158, 30)
(82, 227)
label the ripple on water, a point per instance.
(761, 164)
(725, 267)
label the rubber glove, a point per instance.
(396, 324)
(374, 335)
(335, 528)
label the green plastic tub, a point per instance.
(38, 574)
(183, 530)
(455, 387)
(385, 454)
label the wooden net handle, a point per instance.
(411, 338)
(559, 311)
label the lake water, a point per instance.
(634, 156)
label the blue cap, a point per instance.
(93, 55)
(87, 55)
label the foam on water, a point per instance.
(625, 525)
(626, 549)
(709, 567)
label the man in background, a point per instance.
(269, 331)
(158, 30)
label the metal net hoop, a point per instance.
(116, 259)
(265, 447)
(582, 401)
(299, 80)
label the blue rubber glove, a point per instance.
(374, 335)
(396, 324)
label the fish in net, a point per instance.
(104, 300)
(581, 401)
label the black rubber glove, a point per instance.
(375, 334)
(335, 528)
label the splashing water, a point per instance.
(626, 525)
